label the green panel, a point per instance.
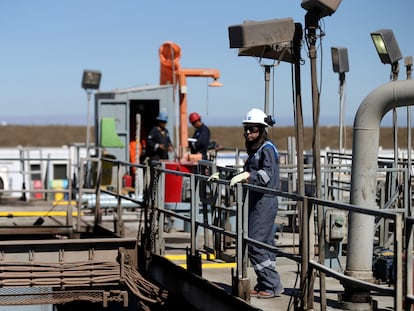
(109, 136)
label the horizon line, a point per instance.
(81, 120)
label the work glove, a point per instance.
(213, 177)
(242, 177)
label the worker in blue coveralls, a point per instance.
(261, 169)
(158, 140)
(201, 137)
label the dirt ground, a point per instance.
(228, 137)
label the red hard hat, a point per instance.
(194, 116)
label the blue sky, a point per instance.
(46, 45)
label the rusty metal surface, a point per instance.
(194, 290)
(39, 296)
(63, 271)
(65, 263)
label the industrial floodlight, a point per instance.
(408, 61)
(321, 7)
(340, 59)
(276, 51)
(91, 79)
(284, 51)
(386, 46)
(266, 39)
(270, 32)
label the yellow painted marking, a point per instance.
(207, 265)
(183, 257)
(216, 265)
(36, 214)
(64, 203)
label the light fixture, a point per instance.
(215, 83)
(321, 7)
(340, 65)
(386, 46)
(252, 33)
(265, 39)
(272, 39)
(340, 59)
(389, 53)
(91, 79)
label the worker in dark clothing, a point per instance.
(158, 140)
(261, 169)
(201, 137)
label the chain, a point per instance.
(153, 206)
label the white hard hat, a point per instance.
(255, 116)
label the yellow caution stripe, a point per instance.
(183, 257)
(206, 265)
(214, 265)
(64, 202)
(37, 214)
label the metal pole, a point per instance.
(395, 70)
(267, 79)
(139, 175)
(409, 63)
(409, 277)
(305, 247)
(298, 111)
(312, 20)
(299, 133)
(88, 121)
(341, 111)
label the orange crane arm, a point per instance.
(183, 74)
(171, 71)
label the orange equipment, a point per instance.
(183, 74)
(170, 54)
(133, 156)
(171, 71)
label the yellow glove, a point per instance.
(213, 177)
(242, 177)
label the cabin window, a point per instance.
(35, 171)
(59, 171)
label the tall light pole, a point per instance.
(340, 65)
(389, 53)
(316, 10)
(91, 80)
(408, 62)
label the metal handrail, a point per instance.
(308, 203)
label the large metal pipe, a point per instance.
(364, 170)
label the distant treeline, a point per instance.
(229, 137)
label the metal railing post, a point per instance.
(304, 252)
(119, 225)
(241, 283)
(398, 260)
(408, 267)
(160, 217)
(194, 184)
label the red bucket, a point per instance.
(174, 183)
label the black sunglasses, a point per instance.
(251, 129)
